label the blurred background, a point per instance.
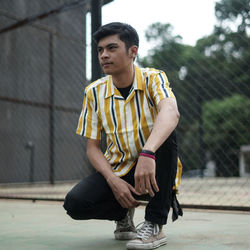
(47, 59)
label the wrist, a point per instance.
(147, 153)
(149, 147)
(110, 178)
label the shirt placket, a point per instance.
(126, 112)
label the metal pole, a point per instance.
(200, 136)
(52, 109)
(96, 21)
(30, 146)
(32, 155)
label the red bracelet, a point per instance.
(147, 155)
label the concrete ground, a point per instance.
(45, 226)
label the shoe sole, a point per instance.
(151, 245)
(125, 236)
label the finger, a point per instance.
(131, 188)
(154, 183)
(142, 185)
(127, 203)
(127, 200)
(133, 202)
(137, 185)
(149, 187)
(131, 198)
(122, 202)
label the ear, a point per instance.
(133, 50)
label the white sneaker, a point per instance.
(149, 236)
(125, 229)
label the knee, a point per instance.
(71, 205)
(75, 207)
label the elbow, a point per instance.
(177, 115)
(169, 109)
(176, 118)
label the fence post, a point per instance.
(52, 109)
(200, 137)
(31, 147)
(96, 20)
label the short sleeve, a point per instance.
(159, 88)
(89, 124)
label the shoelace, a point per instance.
(148, 229)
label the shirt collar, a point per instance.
(138, 79)
(110, 88)
(137, 83)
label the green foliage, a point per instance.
(227, 122)
(189, 147)
(230, 10)
(226, 127)
(162, 33)
(210, 72)
(166, 53)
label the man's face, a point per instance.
(113, 56)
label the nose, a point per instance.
(104, 54)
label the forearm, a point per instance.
(120, 188)
(165, 122)
(98, 160)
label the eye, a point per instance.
(99, 49)
(112, 47)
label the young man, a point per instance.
(138, 112)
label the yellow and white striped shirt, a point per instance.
(127, 123)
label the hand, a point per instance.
(122, 192)
(145, 176)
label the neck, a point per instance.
(124, 79)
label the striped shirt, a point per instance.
(126, 122)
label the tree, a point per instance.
(215, 68)
(226, 127)
(167, 53)
(232, 10)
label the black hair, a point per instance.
(125, 32)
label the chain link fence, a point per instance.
(42, 69)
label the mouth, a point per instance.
(106, 64)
